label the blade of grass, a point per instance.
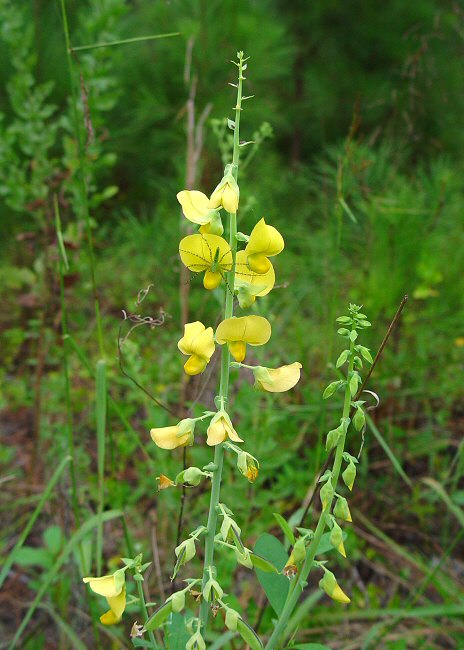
(76, 643)
(126, 41)
(84, 530)
(442, 584)
(27, 529)
(391, 456)
(101, 431)
(117, 409)
(452, 507)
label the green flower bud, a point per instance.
(359, 419)
(326, 494)
(232, 618)
(336, 538)
(349, 475)
(331, 587)
(299, 551)
(191, 475)
(178, 601)
(341, 510)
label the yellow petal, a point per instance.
(237, 350)
(191, 331)
(255, 330)
(258, 263)
(195, 206)
(164, 482)
(117, 606)
(244, 274)
(229, 199)
(216, 433)
(199, 252)
(197, 340)
(282, 379)
(265, 239)
(339, 595)
(194, 365)
(168, 438)
(219, 430)
(212, 280)
(104, 586)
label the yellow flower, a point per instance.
(179, 435)
(198, 342)
(277, 380)
(196, 208)
(237, 332)
(251, 284)
(209, 253)
(113, 587)
(331, 587)
(220, 429)
(265, 241)
(248, 466)
(226, 194)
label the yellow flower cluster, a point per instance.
(209, 253)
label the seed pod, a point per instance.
(159, 616)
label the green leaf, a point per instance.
(332, 388)
(53, 538)
(325, 545)
(285, 527)
(343, 358)
(29, 556)
(275, 586)
(177, 632)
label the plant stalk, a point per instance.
(299, 582)
(225, 359)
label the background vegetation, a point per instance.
(358, 115)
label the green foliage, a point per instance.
(373, 215)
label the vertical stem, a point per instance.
(225, 358)
(82, 180)
(143, 607)
(299, 580)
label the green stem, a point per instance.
(144, 609)
(300, 580)
(225, 358)
(82, 184)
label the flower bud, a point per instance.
(178, 601)
(336, 538)
(331, 587)
(191, 475)
(349, 476)
(247, 465)
(232, 617)
(326, 494)
(299, 551)
(341, 510)
(186, 550)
